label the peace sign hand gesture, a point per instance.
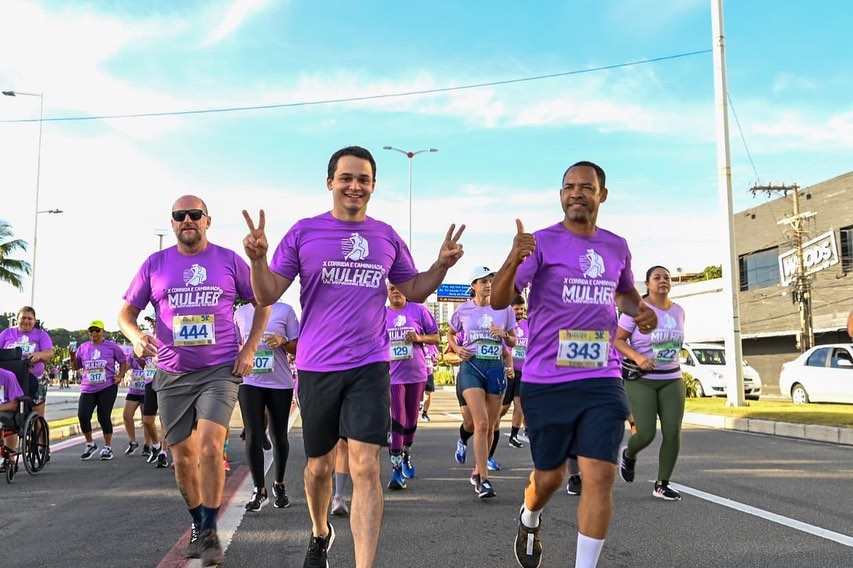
(255, 244)
(451, 250)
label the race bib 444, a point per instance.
(193, 330)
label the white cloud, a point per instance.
(237, 13)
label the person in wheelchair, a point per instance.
(10, 392)
(36, 347)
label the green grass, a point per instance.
(820, 414)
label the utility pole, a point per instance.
(802, 289)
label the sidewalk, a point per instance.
(444, 411)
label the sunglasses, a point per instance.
(195, 214)
(95, 330)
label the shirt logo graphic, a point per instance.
(96, 354)
(485, 321)
(400, 321)
(592, 264)
(355, 247)
(195, 275)
(667, 321)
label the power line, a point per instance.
(368, 97)
(743, 138)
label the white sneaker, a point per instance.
(107, 453)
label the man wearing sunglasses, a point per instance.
(200, 364)
(343, 258)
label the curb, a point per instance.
(829, 434)
(61, 430)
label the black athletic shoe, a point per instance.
(515, 442)
(211, 550)
(146, 451)
(131, 447)
(318, 548)
(257, 501)
(162, 461)
(194, 546)
(528, 547)
(90, 451)
(484, 489)
(664, 491)
(281, 500)
(574, 485)
(626, 465)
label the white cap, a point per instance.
(480, 272)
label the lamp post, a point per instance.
(410, 156)
(161, 233)
(38, 175)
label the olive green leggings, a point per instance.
(650, 399)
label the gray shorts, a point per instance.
(208, 394)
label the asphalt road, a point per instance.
(749, 500)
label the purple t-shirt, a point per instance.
(572, 304)
(663, 344)
(473, 322)
(99, 364)
(29, 342)
(408, 360)
(342, 268)
(270, 369)
(9, 387)
(193, 298)
(519, 352)
(141, 373)
(430, 354)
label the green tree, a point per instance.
(12, 270)
(711, 272)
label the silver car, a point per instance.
(821, 374)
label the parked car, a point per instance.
(821, 374)
(706, 362)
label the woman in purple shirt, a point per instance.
(36, 346)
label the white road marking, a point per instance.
(773, 517)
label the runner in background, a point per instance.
(339, 506)
(431, 354)
(134, 400)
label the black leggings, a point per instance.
(104, 401)
(253, 401)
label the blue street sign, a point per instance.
(453, 292)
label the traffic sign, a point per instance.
(453, 293)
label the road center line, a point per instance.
(779, 519)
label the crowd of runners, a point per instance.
(539, 335)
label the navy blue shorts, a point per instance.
(473, 374)
(577, 418)
(430, 386)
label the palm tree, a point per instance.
(11, 271)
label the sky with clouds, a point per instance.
(503, 143)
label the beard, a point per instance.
(189, 238)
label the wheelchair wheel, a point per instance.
(35, 443)
(10, 470)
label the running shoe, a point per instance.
(194, 546)
(528, 547)
(484, 489)
(408, 466)
(281, 500)
(461, 451)
(318, 548)
(211, 550)
(474, 479)
(257, 501)
(665, 492)
(626, 465)
(106, 453)
(425, 417)
(152, 457)
(162, 461)
(574, 485)
(523, 437)
(493, 465)
(398, 480)
(514, 442)
(131, 447)
(146, 451)
(339, 506)
(90, 451)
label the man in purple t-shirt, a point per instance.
(343, 259)
(200, 364)
(571, 389)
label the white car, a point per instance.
(821, 374)
(706, 362)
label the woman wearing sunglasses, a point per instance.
(98, 358)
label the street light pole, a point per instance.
(161, 233)
(410, 156)
(38, 176)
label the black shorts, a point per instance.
(36, 393)
(430, 386)
(149, 404)
(576, 418)
(134, 397)
(350, 404)
(9, 420)
(513, 387)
